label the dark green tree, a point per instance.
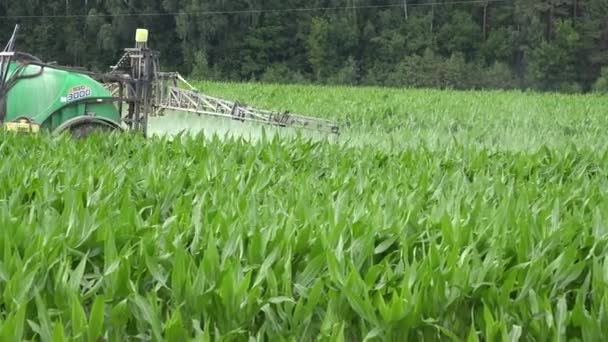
(543, 44)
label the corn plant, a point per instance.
(205, 238)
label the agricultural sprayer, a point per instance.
(42, 97)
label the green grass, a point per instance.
(389, 118)
(482, 217)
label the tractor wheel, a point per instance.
(85, 130)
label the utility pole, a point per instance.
(485, 19)
(405, 8)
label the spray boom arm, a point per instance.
(153, 92)
(191, 100)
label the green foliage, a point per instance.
(280, 73)
(498, 47)
(200, 69)
(461, 34)
(320, 47)
(348, 74)
(433, 71)
(545, 45)
(440, 215)
(555, 63)
(601, 85)
(414, 118)
(499, 76)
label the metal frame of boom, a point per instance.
(173, 97)
(133, 81)
(6, 56)
(138, 81)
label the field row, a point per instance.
(299, 240)
(409, 118)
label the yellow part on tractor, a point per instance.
(22, 126)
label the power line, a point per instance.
(251, 11)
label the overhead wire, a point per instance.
(249, 11)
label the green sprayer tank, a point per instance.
(40, 97)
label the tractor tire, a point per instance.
(85, 130)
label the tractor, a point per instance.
(40, 97)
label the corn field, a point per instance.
(438, 216)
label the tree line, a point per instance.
(546, 45)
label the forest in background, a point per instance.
(546, 45)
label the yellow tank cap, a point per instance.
(141, 36)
